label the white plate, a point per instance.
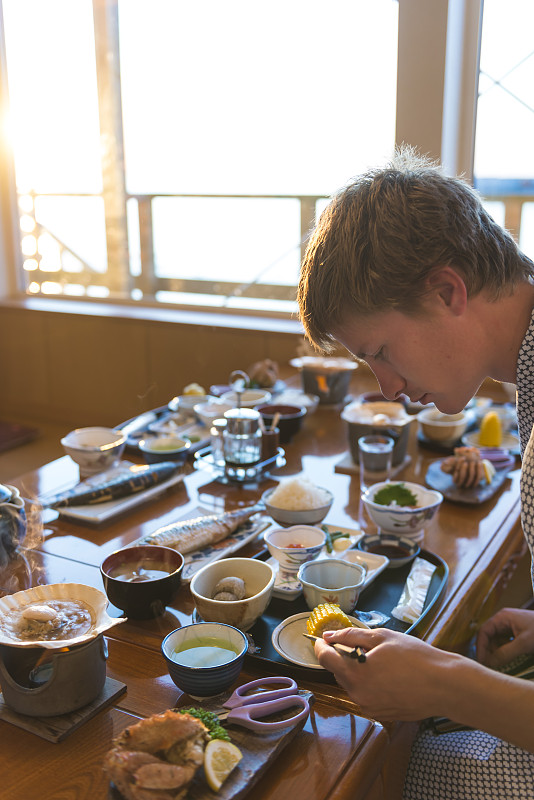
(289, 642)
(509, 441)
(102, 512)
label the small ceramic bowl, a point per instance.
(187, 402)
(398, 549)
(290, 419)
(402, 520)
(141, 580)
(209, 680)
(164, 448)
(288, 517)
(332, 581)
(444, 429)
(213, 409)
(258, 577)
(250, 398)
(94, 449)
(292, 547)
(294, 397)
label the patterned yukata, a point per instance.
(472, 765)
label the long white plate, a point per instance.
(102, 512)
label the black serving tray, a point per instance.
(382, 594)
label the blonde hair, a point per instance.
(383, 234)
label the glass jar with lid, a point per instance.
(242, 438)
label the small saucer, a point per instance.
(289, 642)
(509, 441)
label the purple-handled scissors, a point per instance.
(247, 710)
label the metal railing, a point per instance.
(148, 283)
(512, 193)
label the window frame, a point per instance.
(438, 56)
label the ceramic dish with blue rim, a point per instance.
(288, 641)
(398, 549)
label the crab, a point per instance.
(157, 758)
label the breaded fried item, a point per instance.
(157, 758)
(467, 468)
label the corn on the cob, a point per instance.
(490, 430)
(327, 617)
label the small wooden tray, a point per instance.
(55, 729)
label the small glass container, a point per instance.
(241, 438)
(218, 427)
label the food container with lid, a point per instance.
(241, 439)
(326, 377)
(386, 418)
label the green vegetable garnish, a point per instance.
(210, 720)
(331, 537)
(395, 493)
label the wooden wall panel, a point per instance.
(98, 370)
(24, 376)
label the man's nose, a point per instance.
(391, 384)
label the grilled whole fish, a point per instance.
(135, 480)
(193, 534)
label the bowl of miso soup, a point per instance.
(204, 659)
(143, 579)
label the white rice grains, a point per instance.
(298, 494)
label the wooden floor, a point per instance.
(46, 447)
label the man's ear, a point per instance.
(447, 287)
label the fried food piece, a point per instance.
(467, 468)
(264, 373)
(157, 758)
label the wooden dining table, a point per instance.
(338, 754)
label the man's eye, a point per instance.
(379, 354)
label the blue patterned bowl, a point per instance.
(403, 520)
(205, 681)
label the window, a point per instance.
(177, 152)
(504, 151)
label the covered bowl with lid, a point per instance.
(389, 419)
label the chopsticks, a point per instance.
(276, 420)
(343, 649)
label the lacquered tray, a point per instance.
(382, 595)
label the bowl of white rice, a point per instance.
(297, 501)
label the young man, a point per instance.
(407, 270)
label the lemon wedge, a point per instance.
(220, 758)
(490, 430)
(489, 470)
(341, 544)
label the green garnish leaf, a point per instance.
(395, 493)
(210, 720)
